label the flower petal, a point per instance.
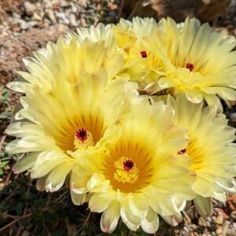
(150, 223)
(78, 199)
(132, 222)
(99, 202)
(110, 217)
(57, 176)
(46, 161)
(25, 163)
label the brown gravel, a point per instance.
(15, 47)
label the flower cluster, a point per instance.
(128, 116)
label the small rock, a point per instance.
(186, 229)
(30, 8)
(62, 17)
(36, 17)
(233, 215)
(23, 24)
(221, 211)
(194, 226)
(233, 117)
(219, 219)
(51, 15)
(74, 9)
(73, 21)
(83, 22)
(83, 3)
(56, 6)
(112, 6)
(219, 231)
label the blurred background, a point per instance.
(26, 26)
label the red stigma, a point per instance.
(182, 152)
(189, 66)
(143, 54)
(128, 165)
(81, 134)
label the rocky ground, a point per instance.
(26, 26)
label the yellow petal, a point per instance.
(150, 223)
(46, 161)
(78, 199)
(99, 202)
(132, 222)
(26, 163)
(110, 217)
(57, 176)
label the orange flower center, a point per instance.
(126, 171)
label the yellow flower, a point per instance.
(141, 64)
(199, 62)
(139, 175)
(91, 52)
(210, 148)
(69, 109)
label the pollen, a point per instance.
(83, 139)
(190, 66)
(126, 170)
(143, 54)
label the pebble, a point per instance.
(233, 117)
(73, 13)
(83, 2)
(62, 18)
(219, 219)
(233, 215)
(219, 231)
(51, 15)
(186, 229)
(73, 21)
(83, 22)
(36, 17)
(194, 226)
(30, 8)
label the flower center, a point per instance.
(83, 139)
(126, 170)
(189, 66)
(182, 152)
(143, 54)
(81, 134)
(128, 164)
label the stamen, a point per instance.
(189, 66)
(81, 134)
(126, 170)
(182, 152)
(83, 139)
(143, 54)
(128, 164)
